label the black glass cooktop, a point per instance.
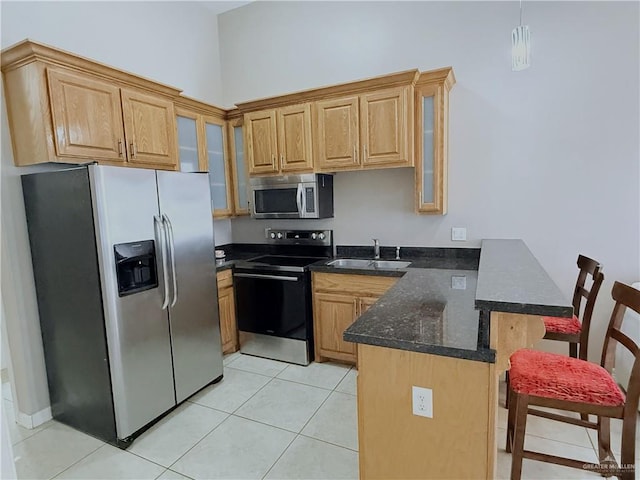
(285, 260)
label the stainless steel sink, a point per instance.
(350, 263)
(361, 263)
(390, 264)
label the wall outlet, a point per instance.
(422, 401)
(459, 234)
(459, 282)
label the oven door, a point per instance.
(278, 201)
(273, 303)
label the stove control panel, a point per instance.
(300, 237)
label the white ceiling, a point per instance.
(219, 7)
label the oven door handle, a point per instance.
(267, 277)
(299, 197)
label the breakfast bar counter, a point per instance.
(450, 331)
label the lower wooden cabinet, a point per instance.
(227, 309)
(338, 300)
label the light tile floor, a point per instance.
(266, 419)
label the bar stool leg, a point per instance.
(521, 406)
(511, 420)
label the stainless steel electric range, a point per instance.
(273, 295)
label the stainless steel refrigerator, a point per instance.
(124, 268)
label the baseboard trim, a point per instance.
(35, 420)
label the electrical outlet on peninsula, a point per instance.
(422, 401)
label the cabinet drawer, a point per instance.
(225, 279)
(361, 285)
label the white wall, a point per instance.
(171, 42)
(549, 154)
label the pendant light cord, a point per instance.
(520, 12)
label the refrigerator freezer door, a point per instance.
(125, 202)
(185, 206)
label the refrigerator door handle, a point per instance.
(172, 249)
(163, 249)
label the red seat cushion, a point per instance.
(562, 325)
(556, 376)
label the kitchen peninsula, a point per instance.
(434, 330)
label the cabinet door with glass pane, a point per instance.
(191, 148)
(431, 125)
(219, 174)
(239, 175)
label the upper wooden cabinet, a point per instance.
(367, 124)
(337, 133)
(150, 130)
(369, 131)
(262, 142)
(100, 135)
(294, 138)
(279, 141)
(68, 109)
(384, 120)
(239, 172)
(207, 144)
(431, 140)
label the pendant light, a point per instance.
(520, 46)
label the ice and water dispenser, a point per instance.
(135, 267)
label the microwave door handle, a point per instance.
(304, 202)
(299, 199)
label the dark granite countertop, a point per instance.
(511, 280)
(423, 312)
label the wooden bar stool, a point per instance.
(557, 381)
(575, 330)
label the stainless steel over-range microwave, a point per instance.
(292, 196)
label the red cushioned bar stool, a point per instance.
(574, 385)
(575, 330)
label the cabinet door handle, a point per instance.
(356, 306)
(355, 154)
(120, 152)
(273, 160)
(281, 161)
(364, 155)
(134, 151)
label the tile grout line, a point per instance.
(327, 442)
(294, 381)
(79, 460)
(194, 446)
(256, 392)
(152, 461)
(228, 416)
(563, 442)
(593, 445)
(590, 446)
(280, 456)
(299, 434)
